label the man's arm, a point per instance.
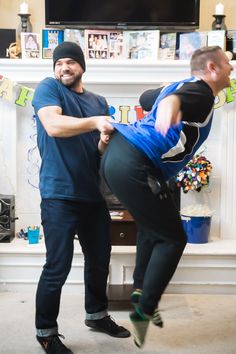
(62, 126)
(168, 113)
(192, 102)
(148, 97)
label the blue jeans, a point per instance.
(61, 221)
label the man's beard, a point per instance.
(71, 83)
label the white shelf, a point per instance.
(100, 71)
(214, 247)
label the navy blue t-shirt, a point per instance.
(70, 166)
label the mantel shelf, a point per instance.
(127, 72)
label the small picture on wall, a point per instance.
(30, 45)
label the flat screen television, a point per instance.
(125, 14)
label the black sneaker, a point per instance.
(53, 345)
(108, 326)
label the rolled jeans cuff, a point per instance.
(47, 332)
(96, 316)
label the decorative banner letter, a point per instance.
(230, 91)
(139, 112)
(26, 94)
(6, 89)
(221, 100)
(124, 114)
(112, 111)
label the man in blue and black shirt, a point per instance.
(141, 157)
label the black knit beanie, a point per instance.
(69, 50)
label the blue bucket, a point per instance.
(197, 228)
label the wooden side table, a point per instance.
(123, 229)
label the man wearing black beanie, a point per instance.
(69, 121)
(69, 50)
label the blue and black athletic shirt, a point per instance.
(172, 152)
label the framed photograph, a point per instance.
(8, 37)
(103, 44)
(142, 44)
(167, 46)
(96, 44)
(74, 35)
(50, 39)
(116, 45)
(189, 42)
(216, 37)
(231, 42)
(30, 45)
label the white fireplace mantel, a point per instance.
(102, 71)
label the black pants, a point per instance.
(61, 220)
(161, 239)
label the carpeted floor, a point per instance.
(194, 324)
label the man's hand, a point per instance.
(102, 144)
(106, 129)
(104, 125)
(168, 114)
(105, 138)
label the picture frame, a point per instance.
(142, 45)
(103, 44)
(50, 39)
(30, 45)
(74, 35)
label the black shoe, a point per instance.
(108, 326)
(53, 345)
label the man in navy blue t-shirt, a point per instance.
(69, 121)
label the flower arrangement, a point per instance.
(195, 174)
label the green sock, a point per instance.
(135, 297)
(140, 323)
(142, 315)
(156, 318)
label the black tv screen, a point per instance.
(179, 14)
